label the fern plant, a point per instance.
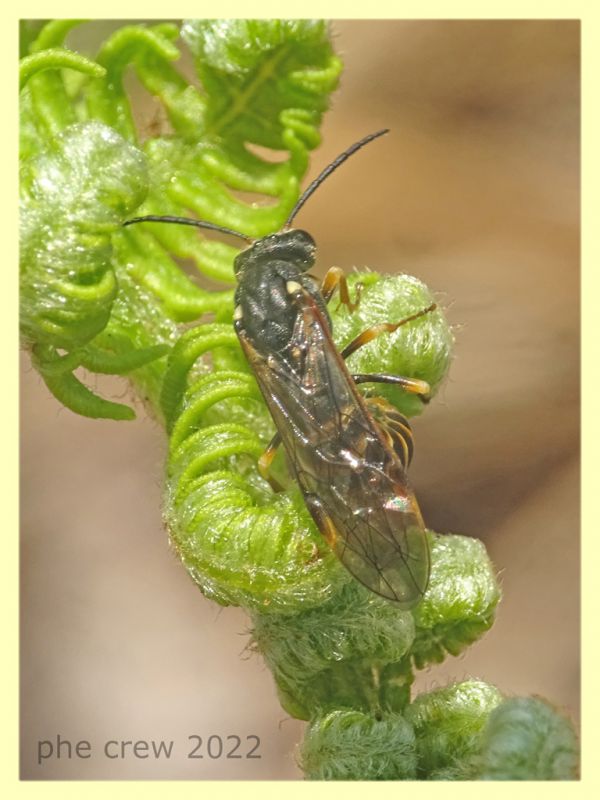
(118, 301)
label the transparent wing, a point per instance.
(353, 480)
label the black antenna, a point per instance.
(196, 223)
(328, 170)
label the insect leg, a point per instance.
(335, 278)
(394, 425)
(384, 327)
(411, 385)
(322, 519)
(265, 461)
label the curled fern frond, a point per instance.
(275, 100)
(527, 739)
(350, 652)
(460, 603)
(358, 651)
(449, 725)
(422, 349)
(197, 170)
(67, 216)
(70, 207)
(353, 746)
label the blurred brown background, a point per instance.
(476, 191)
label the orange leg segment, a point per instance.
(411, 385)
(334, 279)
(265, 461)
(385, 327)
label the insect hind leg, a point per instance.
(322, 519)
(265, 461)
(394, 425)
(410, 385)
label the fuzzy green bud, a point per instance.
(353, 746)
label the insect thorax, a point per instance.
(265, 271)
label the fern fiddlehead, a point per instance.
(114, 300)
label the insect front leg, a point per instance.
(335, 278)
(265, 461)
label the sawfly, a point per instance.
(348, 453)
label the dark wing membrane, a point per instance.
(353, 481)
(374, 525)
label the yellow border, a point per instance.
(508, 9)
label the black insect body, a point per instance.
(348, 453)
(351, 469)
